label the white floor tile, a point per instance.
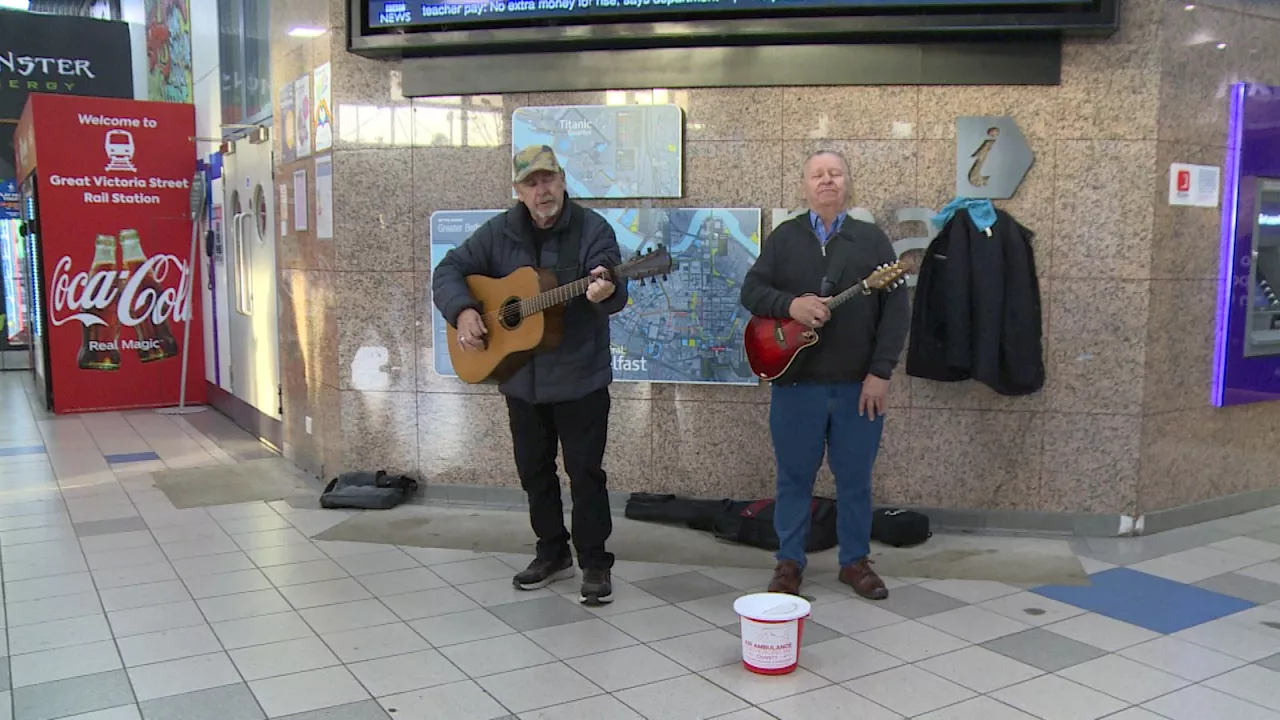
(176, 677)
(64, 607)
(399, 582)
(244, 605)
(404, 673)
(491, 593)
(853, 616)
(140, 621)
(149, 595)
(1259, 550)
(1232, 639)
(429, 603)
(303, 692)
(496, 655)
(980, 669)
(842, 659)
(659, 623)
(911, 641)
(63, 663)
(980, 708)
(1102, 632)
(375, 642)
(473, 571)
(1191, 566)
(1182, 659)
(1200, 703)
(627, 668)
(58, 634)
(459, 701)
(1032, 609)
(283, 658)
(328, 592)
(829, 702)
(974, 624)
(168, 645)
(374, 563)
(295, 554)
(909, 690)
(1054, 698)
(1125, 679)
(134, 575)
(261, 630)
(269, 538)
(685, 698)
(1258, 685)
(232, 583)
(348, 616)
(597, 708)
(124, 712)
(303, 573)
(970, 591)
(538, 687)
(1269, 571)
(56, 586)
(706, 650)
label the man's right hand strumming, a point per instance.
(810, 310)
(471, 330)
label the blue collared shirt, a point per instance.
(824, 233)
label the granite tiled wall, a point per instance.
(1190, 451)
(1127, 283)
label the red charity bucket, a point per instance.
(772, 629)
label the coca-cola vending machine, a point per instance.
(106, 187)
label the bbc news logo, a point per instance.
(125, 294)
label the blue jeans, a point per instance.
(808, 421)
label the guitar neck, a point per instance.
(555, 296)
(838, 300)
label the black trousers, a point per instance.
(581, 428)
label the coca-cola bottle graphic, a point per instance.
(155, 342)
(100, 344)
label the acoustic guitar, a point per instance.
(772, 344)
(524, 314)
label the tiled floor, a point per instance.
(118, 607)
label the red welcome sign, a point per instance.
(114, 180)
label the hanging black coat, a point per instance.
(977, 308)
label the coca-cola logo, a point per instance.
(83, 297)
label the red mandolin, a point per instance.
(772, 344)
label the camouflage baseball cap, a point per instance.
(533, 159)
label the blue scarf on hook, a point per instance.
(980, 210)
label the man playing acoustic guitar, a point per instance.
(561, 395)
(832, 400)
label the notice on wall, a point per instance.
(299, 199)
(302, 120)
(324, 197)
(1194, 185)
(289, 140)
(283, 206)
(321, 107)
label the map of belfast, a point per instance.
(609, 151)
(686, 329)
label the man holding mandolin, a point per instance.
(831, 398)
(561, 393)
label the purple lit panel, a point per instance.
(1246, 358)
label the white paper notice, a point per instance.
(299, 199)
(1194, 185)
(283, 206)
(324, 197)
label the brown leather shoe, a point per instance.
(786, 578)
(864, 580)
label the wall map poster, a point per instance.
(610, 151)
(687, 329)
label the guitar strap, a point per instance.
(568, 266)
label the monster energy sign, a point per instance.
(992, 157)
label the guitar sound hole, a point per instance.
(509, 314)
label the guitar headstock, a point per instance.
(652, 263)
(887, 277)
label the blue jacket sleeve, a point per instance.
(449, 289)
(602, 250)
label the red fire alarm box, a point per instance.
(105, 187)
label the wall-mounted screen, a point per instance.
(479, 26)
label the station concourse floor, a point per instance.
(117, 606)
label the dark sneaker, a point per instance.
(542, 573)
(786, 578)
(597, 587)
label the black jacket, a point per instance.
(581, 363)
(977, 308)
(865, 335)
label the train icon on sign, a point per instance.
(119, 147)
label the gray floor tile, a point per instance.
(5, 681)
(1244, 587)
(1044, 650)
(1269, 535)
(229, 702)
(684, 587)
(915, 602)
(367, 710)
(75, 696)
(1271, 663)
(538, 614)
(110, 527)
